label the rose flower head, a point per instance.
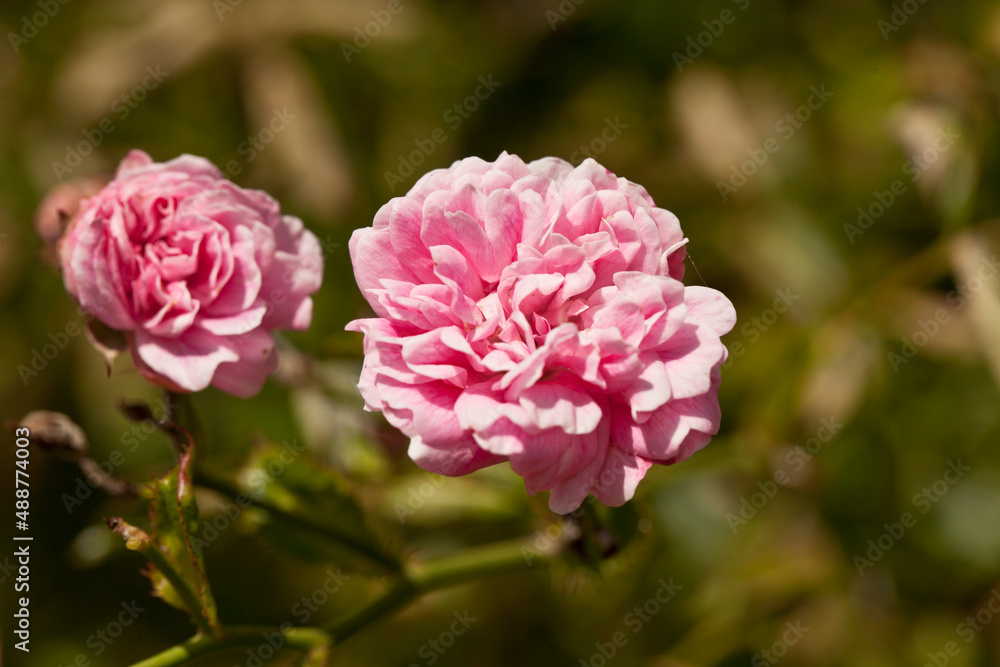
(195, 271)
(534, 313)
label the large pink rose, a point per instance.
(535, 313)
(195, 270)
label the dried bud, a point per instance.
(58, 209)
(55, 431)
(136, 539)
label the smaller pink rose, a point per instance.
(195, 270)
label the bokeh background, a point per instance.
(857, 237)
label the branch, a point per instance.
(474, 564)
(304, 640)
(499, 558)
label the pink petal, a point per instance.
(455, 271)
(233, 325)
(711, 308)
(189, 361)
(426, 410)
(651, 389)
(257, 360)
(453, 459)
(620, 475)
(552, 405)
(374, 258)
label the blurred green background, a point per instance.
(833, 165)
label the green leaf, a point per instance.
(318, 520)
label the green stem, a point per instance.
(500, 558)
(476, 563)
(201, 478)
(398, 593)
(181, 423)
(305, 640)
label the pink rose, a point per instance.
(195, 270)
(535, 313)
